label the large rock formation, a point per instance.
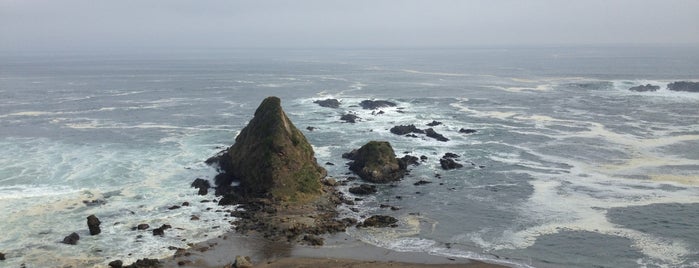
(684, 86)
(271, 157)
(376, 162)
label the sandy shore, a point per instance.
(340, 250)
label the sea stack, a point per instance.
(272, 158)
(376, 162)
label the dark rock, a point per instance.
(2, 256)
(93, 223)
(433, 134)
(96, 202)
(185, 204)
(379, 221)
(423, 158)
(380, 112)
(421, 182)
(434, 123)
(645, 88)
(143, 226)
(229, 199)
(349, 221)
(407, 160)
(411, 136)
(684, 86)
(313, 240)
(272, 158)
(145, 263)
(376, 162)
(373, 105)
(449, 163)
(194, 218)
(350, 155)
(364, 189)
(310, 128)
(405, 129)
(71, 239)
(161, 230)
(349, 118)
(174, 207)
(116, 264)
(328, 103)
(467, 131)
(450, 155)
(202, 185)
(329, 164)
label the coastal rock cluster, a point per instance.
(681, 86)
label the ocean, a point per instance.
(567, 167)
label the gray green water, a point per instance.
(577, 170)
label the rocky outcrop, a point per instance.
(406, 129)
(376, 162)
(93, 223)
(467, 131)
(373, 105)
(71, 239)
(116, 264)
(160, 231)
(434, 123)
(272, 158)
(645, 88)
(433, 134)
(202, 185)
(447, 162)
(349, 118)
(328, 103)
(684, 86)
(145, 263)
(363, 189)
(379, 221)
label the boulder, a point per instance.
(373, 105)
(363, 189)
(116, 264)
(433, 134)
(450, 155)
(145, 263)
(349, 118)
(143, 226)
(684, 86)
(272, 158)
(645, 88)
(376, 162)
(449, 163)
(160, 231)
(406, 129)
(93, 223)
(71, 239)
(309, 128)
(328, 103)
(202, 185)
(407, 160)
(242, 262)
(379, 221)
(2, 256)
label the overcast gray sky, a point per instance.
(82, 24)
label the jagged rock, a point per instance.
(271, 157)
(467, 131)
(202, 185)
(242, 262)
(645, 88)
(71, 239)
(349, 118)
(328, 103)
(684, 86)
(450, 155)
(116, 264)
(161, 230)
(434, 123)
(145, 263)
(376, 162)
(379, 221)
(373, 105)
(407, 160)
(433, 134)
(93, 223)
(403, 130)
(363, 189)
(143, 226)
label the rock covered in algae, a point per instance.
(272, 158)
(376, 162)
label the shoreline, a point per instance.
(340, 250)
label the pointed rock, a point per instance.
(271, 157)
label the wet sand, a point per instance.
(339, 250)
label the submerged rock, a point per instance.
(373, 105)
(434, 123)
(71, 239)
(93, 223)
(449, 163)
(328, 103)
(684, 86)
(645, 88)
(271, 157)
(379, 221)
(376, 162)
(467, 131)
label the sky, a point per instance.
(114, 24)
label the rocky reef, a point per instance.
(645, 88)
(684, 86)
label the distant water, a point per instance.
(570, 169)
